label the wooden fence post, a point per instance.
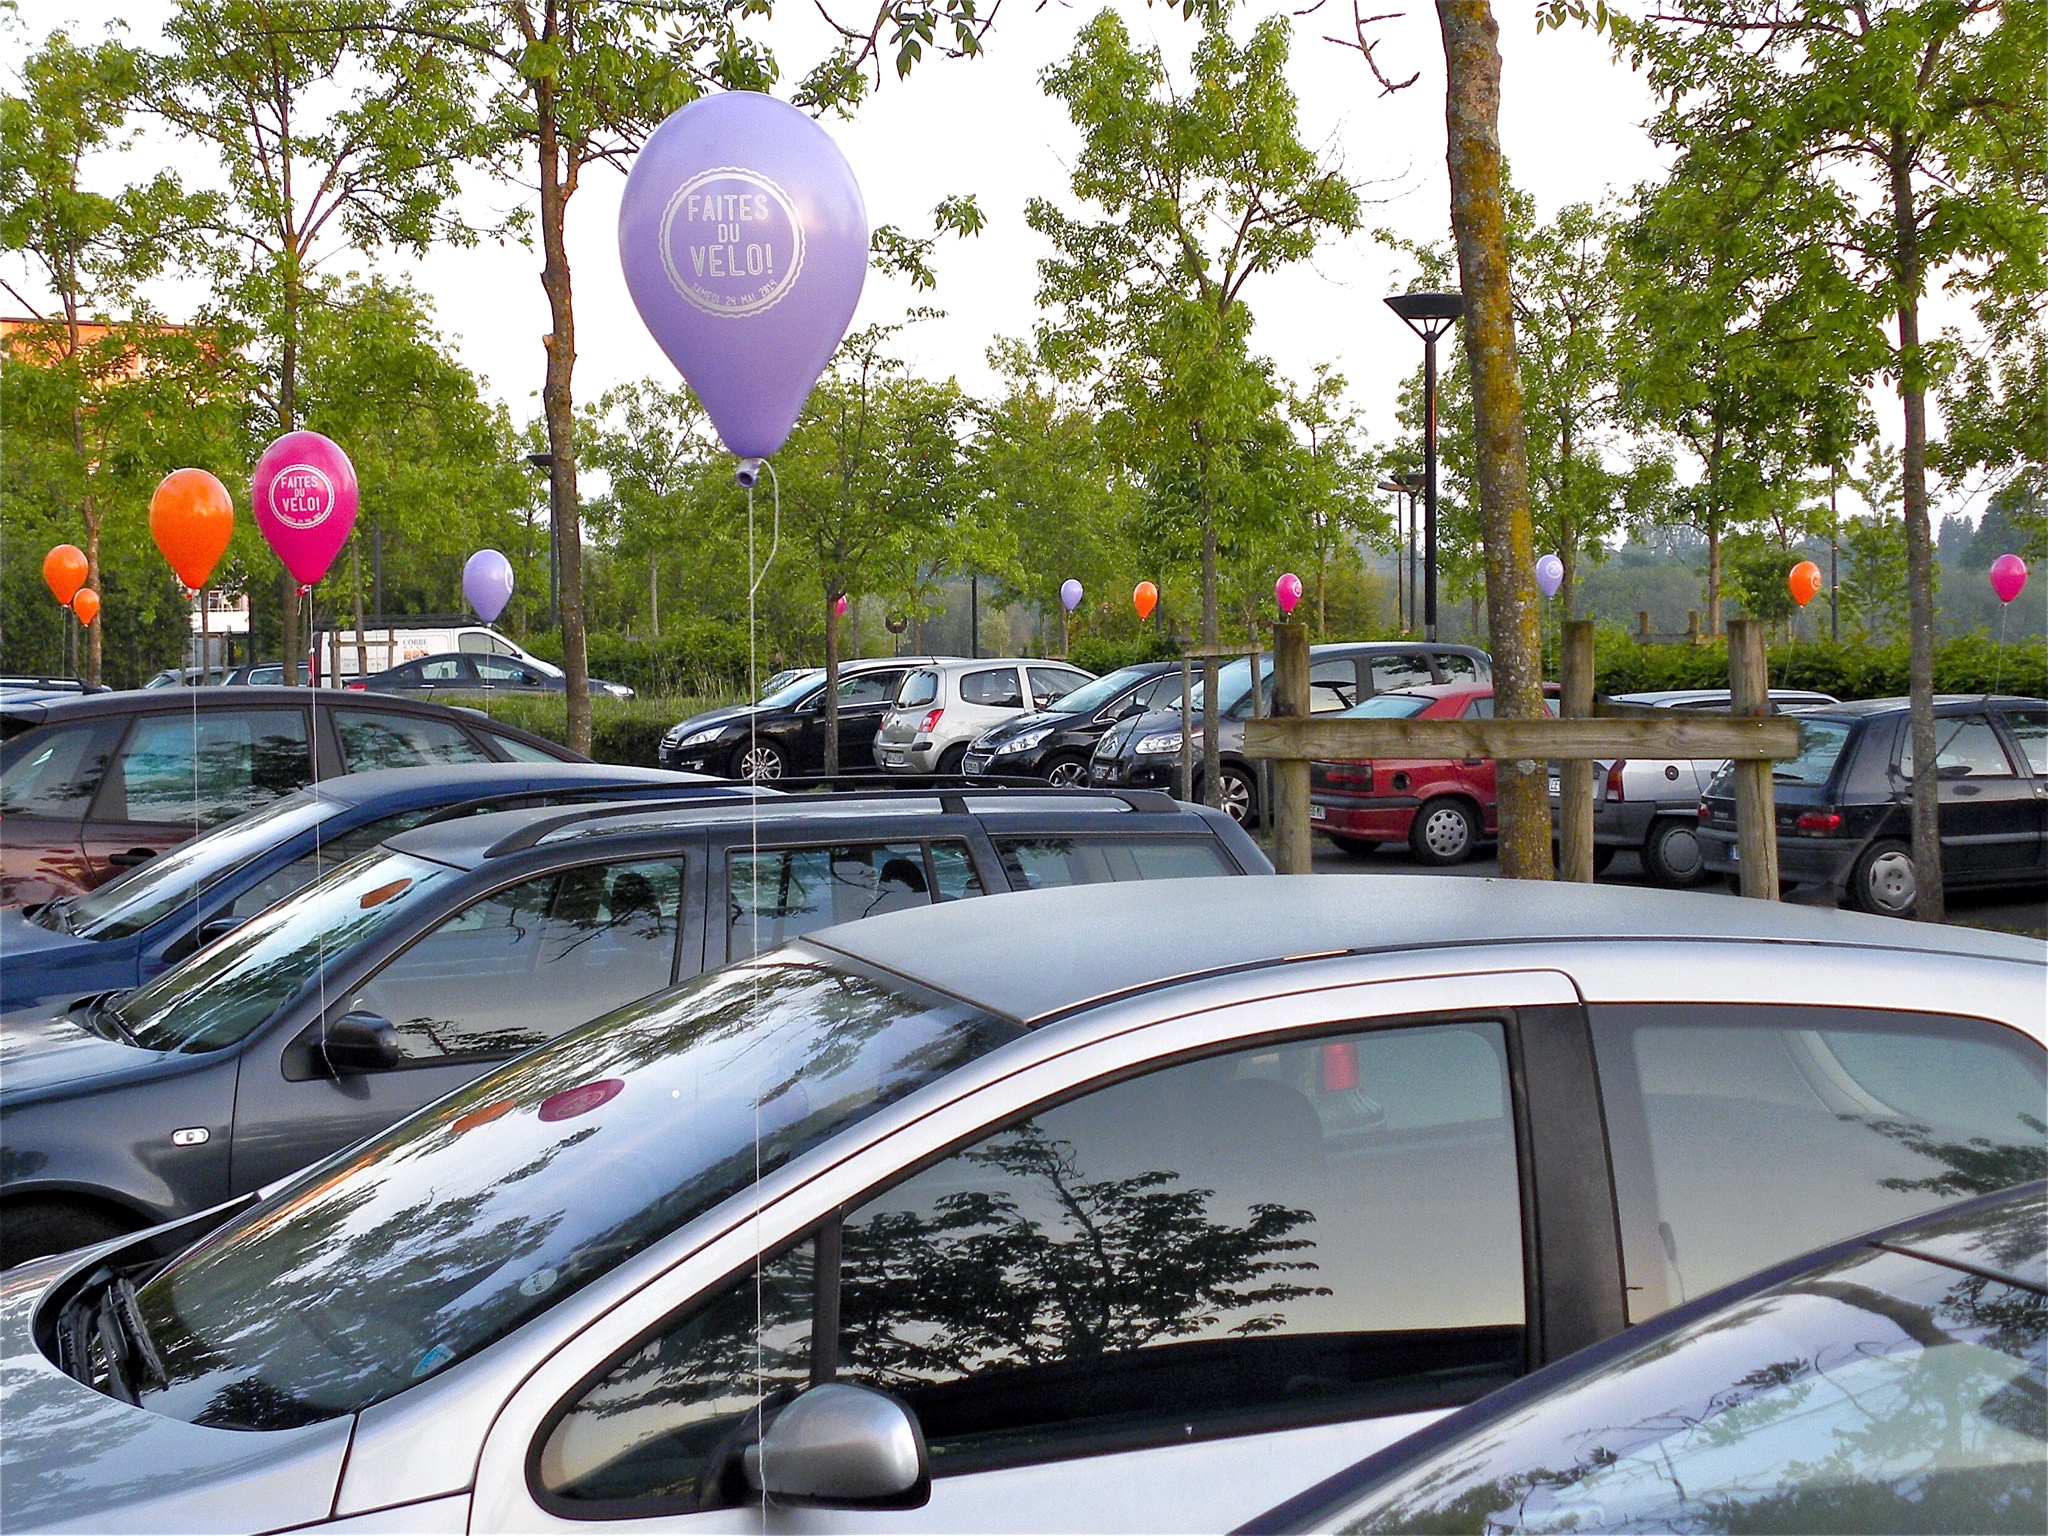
(1575, 776)
(1756, 809)
(1291, 850)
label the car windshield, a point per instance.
(1820, 748)
(1233, 683)
(233, 985)
(1388, 706)
(1089, 697)
(405, 1254)
(183, 874)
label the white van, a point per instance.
(337, 655)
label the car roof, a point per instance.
(126, 700)
(1098, 941)
(483, 779)
(964, 663)
(1862, 709)
(1669, 696)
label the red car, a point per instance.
(1442, 807)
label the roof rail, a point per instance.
(519, 799)
(952, 798)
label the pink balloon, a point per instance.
(2008, 576)
(839, 606)
(1287, 592)
(304, 490)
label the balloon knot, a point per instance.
(305, 587)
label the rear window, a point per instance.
(53, 772)
(1389, 706)
(1038, 863)
(1820, 748)
(918, 688)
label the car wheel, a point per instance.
(1883, 881)
(758, 763)
(32, 1228)
(1357, 847)
(1067, 772)
(1672, 853)
(951, 759)
(1602, 857)
(1443, 832)
(1236, 797)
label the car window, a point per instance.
(1820, 748)
(1745, 1135)
(496, 669)
(1161, 693)
(440, 669)
(205, 768)
(776, 895)
(1329, 1226)
(1965, 747)
(868, 688)
(521, 751)
(371, 739)
(1457, 668)
(1332, 685)
(2029, 728)
(523, 965)
(918, 688)
(1480, 708)
(996, 688)
(476, 644)
(54, 772)
(1051, 683)
(1035, 863)
(1400, 670)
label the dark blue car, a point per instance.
(127, 931)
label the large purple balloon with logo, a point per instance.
(745, 243)
(487, 583)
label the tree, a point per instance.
(1200, 191)
(1332, 481)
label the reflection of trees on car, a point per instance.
(1976, 1166)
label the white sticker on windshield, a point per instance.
(539, 1283)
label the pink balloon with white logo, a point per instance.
(304, 492)
(1287, 592)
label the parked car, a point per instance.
(137, 926)
(92, 786)
(459, 672)
(1054, 743)
(1650, 806)
(253, 674)
(411, 970)
(19, 686)
(785, 732)
(941, 708)
(1844, 805)
(1440, 807)
(387, 645)
(1145, 752)
(189, 677)
(1137, 1204)
(1892, 1383)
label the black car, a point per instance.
(1144, 752)
(785, 732)
(1845, 803)
(404, 974)
(1054, 743)
(95, 785)
(475, 672)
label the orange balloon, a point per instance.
(1804, 580)
(64, 570)
(191, 518)
(1144, 598)
(86, 604)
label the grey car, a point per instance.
(1099, 1209)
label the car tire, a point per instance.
(1067, 772)
(29, 1229)
(951, 759)
(1357, 847)
(1672, 854)
(1444, 832)
(1883, 880)
(1237, 795)
(758, 763)
(1602, 857)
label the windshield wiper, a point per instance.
(108, 1335)
(55, 915)
(106, 1012)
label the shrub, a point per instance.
(1966, 664)
(701, 658)
(1105, 655)
(623, 731)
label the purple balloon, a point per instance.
(745, 244)
(1549, 575)
(1070, 594)
(487, 583)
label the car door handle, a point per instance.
(132, 857)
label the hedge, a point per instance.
(1104, 655)
(625, 731)
(1966, 664)
(702, 658)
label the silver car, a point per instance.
(1115, 1208)
(1650, 806)
(941, 708)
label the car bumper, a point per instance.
(913, 757)
(1008, 765)
(1376, 818)
(704, 759)
(1801, 860)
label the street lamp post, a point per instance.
(545, 463)
(1428, 315)
(1409, 484)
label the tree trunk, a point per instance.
(831, 678)
(1212, 745)
(557, 185)
(1930, 904)
(1479, 225)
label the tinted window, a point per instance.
(869, 688)
(1965, 747)
(1332, 685)
(54, 772)
(2030, 729)
(1457, 668)
(1743, 1136)
(495, 669)
(1051, 683)
(1320, 1227)
(440, 669)
(1161, 693)
(997, 689)
(206, 768)
(779, 895)
(1820, 748)
(1037, 862)
(372, 740)
(1400, 671)
(521, 751)
(918, 688)
(1390, 706)
(521, 966)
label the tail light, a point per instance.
(1340, 1067)
(1706, 811)
(931, 722)
(1356, 776)
(1819, 823)
(357, 687)
(1614, 780)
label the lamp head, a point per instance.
(1429, 315)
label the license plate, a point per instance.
(1735, 853)
(1556, 788)
(1318, 813)
(892, 754)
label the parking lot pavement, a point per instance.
(2010, 911)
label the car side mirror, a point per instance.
(216, 927)
(359, 1042)
(839, 1446)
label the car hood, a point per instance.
(72, 1459)
(1156, 720)
(43, 1058)
(1030, 722)
(735, 714)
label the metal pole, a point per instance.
(974, 617)
(1429, 489)
(1834, 575)
(1411, 564)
